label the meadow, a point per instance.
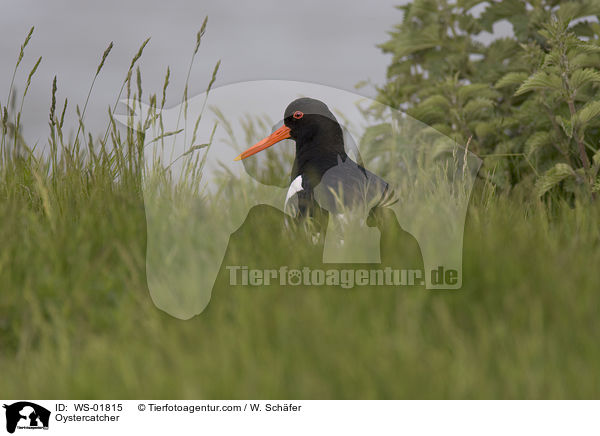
(77, 321)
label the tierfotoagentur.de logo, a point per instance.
(352, 207)
(25, 415)
(345, 278)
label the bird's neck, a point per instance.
(316, 155)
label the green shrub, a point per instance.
(528, 101)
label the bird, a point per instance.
(332, 199)
(323, 176)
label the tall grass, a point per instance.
(76, 320)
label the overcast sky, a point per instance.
(326, 42)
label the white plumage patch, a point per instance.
(295, 187)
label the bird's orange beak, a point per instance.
(278, 135)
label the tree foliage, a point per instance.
(529, 101)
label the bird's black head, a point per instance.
(308, 119)
(311, 124)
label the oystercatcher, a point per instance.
(323, 175)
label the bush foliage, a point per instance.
(528, 101)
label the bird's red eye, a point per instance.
(298, 115)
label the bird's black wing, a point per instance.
(352, 186)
